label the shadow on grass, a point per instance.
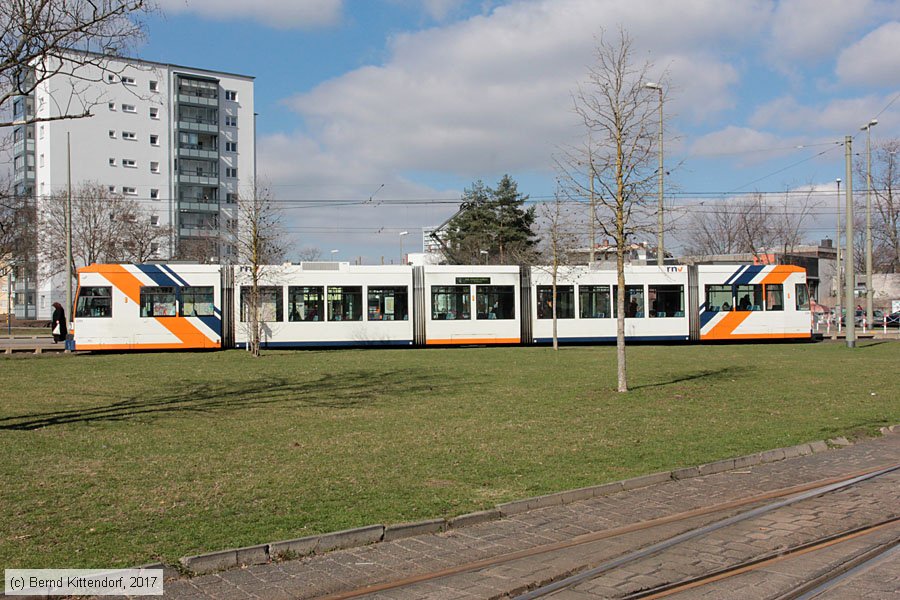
(713, 375)
(338, 391)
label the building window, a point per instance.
(129, 162)
(129, 191)
(41, 163)
(154, 248)
(110, 77)
(112, 134)
(111, 106)
(154, 194)
(230, 146)
(154, 166)
(231, 172)
(154, 220)
(231, 198)
(154, 113)
(231, 95)
(128, 80)
(42, 132)
(154, 86)
(154, 139)
(112, 189)
(231, 121)
(112, 162)
(129, 108)
(129, 135)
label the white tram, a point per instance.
(183, 306)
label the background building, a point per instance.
(178, 140)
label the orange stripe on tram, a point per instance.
(723, 330)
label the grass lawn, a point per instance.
(120, 460)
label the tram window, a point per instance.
(450, 302)
(802, 296)
(718, 297)
(345, 303)
(565, 301)
(306, 303)
(270, 304)
(634, 302)
(388, 303)
(594, 301)
(749, 297)
(666, 300)
(774, 296)
(495, 301)
(158, 302)
(197, 302)
(95, 301)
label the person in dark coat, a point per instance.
(59, 318)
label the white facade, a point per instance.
(178, 140)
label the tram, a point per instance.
(327, 304)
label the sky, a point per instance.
(375, 115)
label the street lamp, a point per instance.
(485, 254)
(660, 252)
(334, 254)
(868, 129)
(402, 233)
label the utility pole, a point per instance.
(593, 212)
(850, 278)
(660, 251)
(69, 308)
(837, 285)
(869, 291)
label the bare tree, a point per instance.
(106, 227)
(621, 118)
(559, 239)
(886, 206)
(309, 254)
(259, 240)
(41, 38)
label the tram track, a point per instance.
(663, 590)
(781, 497)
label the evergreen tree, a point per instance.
(493, 226)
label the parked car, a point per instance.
(893, 319)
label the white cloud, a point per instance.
(839, 116)
(811, 30)
(280, 14)
(746, 144)
(492, 94)
(874, 60)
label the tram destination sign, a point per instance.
(473, 280)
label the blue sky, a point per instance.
(426, 96)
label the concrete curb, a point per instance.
(371, 534)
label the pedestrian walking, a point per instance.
(59, 325)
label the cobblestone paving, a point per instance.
(321, 575)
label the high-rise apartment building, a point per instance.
(178, 140)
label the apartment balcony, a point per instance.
(197, 100)
(25, 175)
(198, 178)
(198, 206)
(191, 151)
(197, 232)
(23, 146)
(198, 125)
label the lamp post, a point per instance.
(485, 254)
(868, 129)
(334, 254)
(850, 278)
(660, 251)
(837, 285)
(402, 233)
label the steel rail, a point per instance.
(695, 533)
(599, 535)
(768, 559)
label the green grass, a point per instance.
(123, 459)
